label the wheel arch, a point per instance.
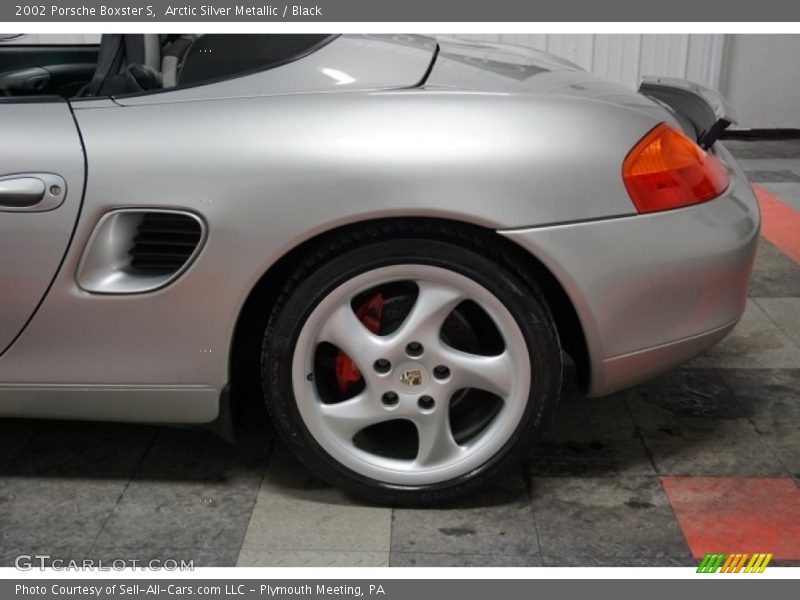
(244, 363)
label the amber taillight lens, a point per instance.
(668, 170)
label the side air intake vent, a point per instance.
(164, 242)
(133, 251)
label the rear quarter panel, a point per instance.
(267, 173)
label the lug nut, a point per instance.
(425, 402)
(414, 349)
(382, 366)
(441, 372)
(389, 398)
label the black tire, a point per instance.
(468, 251)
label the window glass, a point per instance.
(92, 66)
(51, 65)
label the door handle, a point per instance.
(21, 192)
(31, 192)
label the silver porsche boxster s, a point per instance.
(399, 239)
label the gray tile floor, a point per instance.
(590, 495)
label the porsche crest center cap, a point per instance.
(412, 377)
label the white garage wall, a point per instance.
(762, 80)
(626, 57)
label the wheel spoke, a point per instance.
(433, 305)
(493, 374)
(349, 417)
(436, 443)
(346, 332)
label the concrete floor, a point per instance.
(625, 480)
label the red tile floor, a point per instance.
(737, 514)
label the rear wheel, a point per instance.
(409, 370)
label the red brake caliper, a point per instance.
(369, 313)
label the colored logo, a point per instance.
(734, 563)
(411, 377)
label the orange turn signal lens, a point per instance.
(667, 170)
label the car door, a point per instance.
(41, 166)
(41, 186)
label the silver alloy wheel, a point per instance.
(439, 458)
